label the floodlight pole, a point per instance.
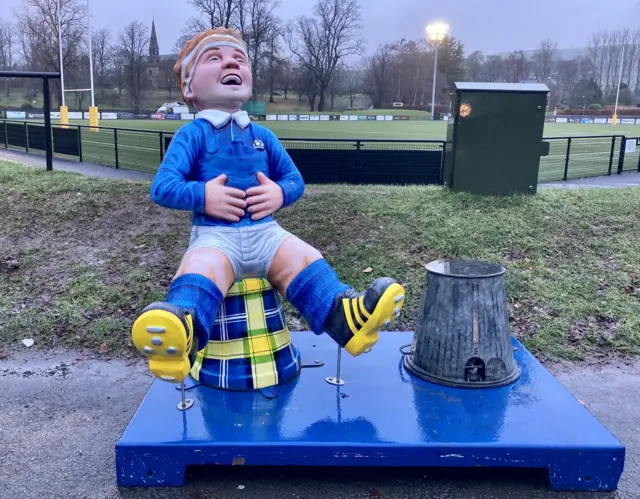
(435, 32)
(615, 111)
(60, 52)
(93, 110)
(433, 92)
(93, 102)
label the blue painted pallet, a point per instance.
(382, 416)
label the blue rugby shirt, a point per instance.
(199, 152)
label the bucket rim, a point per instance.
(439, 267)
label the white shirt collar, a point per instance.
(220, 119)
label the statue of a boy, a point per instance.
(233, 175)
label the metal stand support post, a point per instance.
(337, 380)
(184, 403)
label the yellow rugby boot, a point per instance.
(165, 335)
(356, 317)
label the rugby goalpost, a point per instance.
(64, 109)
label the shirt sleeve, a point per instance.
(282, 169)
(172, 187)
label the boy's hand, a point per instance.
(265, 199)
(226, 203)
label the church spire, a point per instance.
(154, 48)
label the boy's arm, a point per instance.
(282, 170)
(171, 186)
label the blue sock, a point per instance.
(313, 291)
(202, 297)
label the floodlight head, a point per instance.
(436, 31)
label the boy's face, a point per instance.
(221, 80)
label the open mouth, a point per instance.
(232, 79)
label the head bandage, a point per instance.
(194, 48)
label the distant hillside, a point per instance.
(561, 54)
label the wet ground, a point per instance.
(626, 179)
(63, 413)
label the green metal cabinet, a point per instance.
(494, 138)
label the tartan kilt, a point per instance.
(250, 345)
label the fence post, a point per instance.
(6, 139)
(161, 151)
(26, 136)
(357, 165)
(115, 145)
(566, 159)
(613, 148)
(80, 142)
(48, 131)
(443, 145)
(623, 145)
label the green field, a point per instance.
(140, 150)
(418, 129)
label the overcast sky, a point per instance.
(488, 25)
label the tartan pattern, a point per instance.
(250, 346)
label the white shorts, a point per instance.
(250, 250)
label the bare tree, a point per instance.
(636, 62)
(610, 53)
(543, 59)
(172, 83)
(261, 28)
(287, 74)
(302, 82)
(614, 43)
(322, 42)
(379, 68)
(216, 13)
(133, 45)
(585, 68)
(211, 14)
(38, 28)
(411, 67)
(403, 72)
(119, 61)
(517, 68)
(112, 98)
(633, 55)
(567, 78)
(450, 65)
(596, 55)
(102, 57)
(475, 66)
(494, 69)
(7, 44)
(630, 53)
(276, 65)
(354, 79)
(605, 54)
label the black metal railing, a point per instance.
(393, 161)
(367, 161)
(126, 148)
(631, 157)
(325, 160)
(134, 149)
(581, 156)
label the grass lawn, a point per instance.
(80, 257)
